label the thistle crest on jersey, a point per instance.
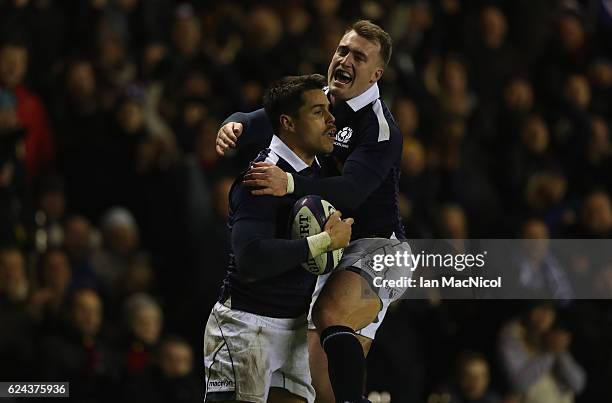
(344, 135)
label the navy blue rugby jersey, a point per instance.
(368, 147)
(367, 153)
(264, 275)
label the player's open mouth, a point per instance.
(331, 133)
(342, 76)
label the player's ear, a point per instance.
(377, 74)
(286, 122)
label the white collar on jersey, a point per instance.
(283, 151)
(370, 95)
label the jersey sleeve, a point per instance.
(256, 130)
(259, 254)
(347, 191)
(380, 145)
(364, 171)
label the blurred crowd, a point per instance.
(113, 200)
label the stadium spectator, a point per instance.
(114, 66)
(121, 238)
(80, 123)
(544, 193)
(16, 341)
(50, 212)
(139, 277)
(593, 222)
(14, 286)
(414, 36)
(501, 128)
(536, 357)
(79, 240)
(171, 379)
(117, 157)
(415, 197)
(452, 223)
(407, 114)
(49, 302)
(602, 283)
(568, 52)
(31, 112)
(458, 175)
(518, 95)
(264, 41)
(447, 79)
(589, 170)
(492, 58)
(144, 321)
(80, 352)
(596, 216)
(471, 381)
(600, 79)
(537, 272)
(11, 170)
(531, 154)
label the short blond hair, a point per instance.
(374, 33)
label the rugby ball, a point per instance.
(308, 218)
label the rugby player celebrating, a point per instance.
(255, 343)
(368, 147)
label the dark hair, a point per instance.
(173, 339)
(40, 276)
(14, 42)
(374, 33)
(527, 306)
(11, 247)
(285, 97)
(169, 340)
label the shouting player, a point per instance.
(368, 149)
(255, 342)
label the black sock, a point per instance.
(346, 362)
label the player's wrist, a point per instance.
(319, 244)
(290, 184)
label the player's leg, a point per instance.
(344, 306)
(280, 395)
(349, 305)
(318, 366)
(346, 300)
(318, 369)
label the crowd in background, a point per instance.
(113, 201)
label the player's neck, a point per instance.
(307, 157)
(332, 99)
(304, 156)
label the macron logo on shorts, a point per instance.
(221, 385)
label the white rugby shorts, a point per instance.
(245, 354)
(358, 257)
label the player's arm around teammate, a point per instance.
(368, 145)
(255, 343)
